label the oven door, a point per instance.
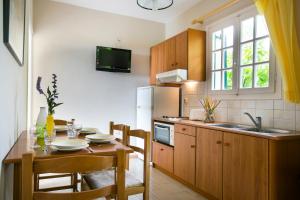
(162, 133)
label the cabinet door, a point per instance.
(161, 63)
(163, 156)
(154, 64)
(184, 157)
(245, 167)
(181, 51)
(209, 162)
(170, 61)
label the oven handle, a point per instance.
(162, 127)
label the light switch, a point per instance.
(186, 100)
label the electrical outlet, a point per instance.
(186, 100)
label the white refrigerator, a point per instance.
(154, 101)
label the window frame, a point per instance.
(236, 20)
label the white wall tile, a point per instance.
(186, 111)
(244, 118)
(289, 106)
(190, 88)
(284, 124)
(278, 104)
(264, 104)
(234, 115)
(247, 104)
(267, 117)
(278, 114)
(298, 107)
(221, 115)
(201, 88)
(233, 104)
(194, 100)
(223, 104)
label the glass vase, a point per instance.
(50, 132)
(209, 117)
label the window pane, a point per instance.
(217, 40)
(247, 29)
(227, 80)
(227, 58)
(261, 26)
(216, 80)
(262, 50)
(262, 75)
(216, 60)
(246, 53)
(228, 36)
(246, 77)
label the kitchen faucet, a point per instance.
(256, 123)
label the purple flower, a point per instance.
(38, 85)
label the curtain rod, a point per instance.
(215, 11)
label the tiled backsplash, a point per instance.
(275, 113)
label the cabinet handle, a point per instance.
(226, 144)
(193, 146)
(219, 142)
(183, 129)
(176, 64)
(161, 149)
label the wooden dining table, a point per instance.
(24, 145)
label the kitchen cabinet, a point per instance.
(157, 61)
(184, 157)
(209, 155)
(170, 54)
(162, 155)
(245, 167)
(186, 50)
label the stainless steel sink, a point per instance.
(270, 131)
(225, 125)
(250, 129)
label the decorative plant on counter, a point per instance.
(209, 106)
(51, 97)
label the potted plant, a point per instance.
(209, 106)
(51, 96)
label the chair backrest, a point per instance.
(60, 122)
(146, 151)
(73, 164)
(119, 127)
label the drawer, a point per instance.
(163, 156)
(188, 130)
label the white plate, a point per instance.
(70, 149)
(98, 141)
(61, 128)
(100, 137)
(88, 130)
(69, 143)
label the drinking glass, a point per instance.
(49, 137)
(33, 138)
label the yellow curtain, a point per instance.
(281, 22)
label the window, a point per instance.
(241, 53)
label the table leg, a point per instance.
(17, 181)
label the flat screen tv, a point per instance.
(113, 59)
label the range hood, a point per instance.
(174, 76)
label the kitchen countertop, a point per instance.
(292, 135)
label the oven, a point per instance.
(164, 133)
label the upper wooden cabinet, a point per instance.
(157, 60)
(183, 51)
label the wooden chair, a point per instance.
(133, 185)
(119, 127)
(73, 177)
(74, 164)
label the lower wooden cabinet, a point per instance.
(163, 156)
(209, 162)
(245, 167)
(184, 157)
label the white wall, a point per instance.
(13, 103)
(64, 42)
(274, 110)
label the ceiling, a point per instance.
(130, 8)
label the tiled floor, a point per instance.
(162, 187)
